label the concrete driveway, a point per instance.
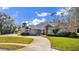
(39, 44)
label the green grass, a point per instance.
(63, 43)
(14, 39)
(10, 47)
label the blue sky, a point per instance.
(31, 15)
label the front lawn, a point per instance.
(14, 39)
(10, 47)
(64, 43)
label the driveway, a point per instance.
(39, 44)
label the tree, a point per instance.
(74, 20)
(7, 25)
(59, 20)
(68, 20)
(24, 24)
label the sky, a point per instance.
(30, 15)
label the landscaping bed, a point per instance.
(64, 43)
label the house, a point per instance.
(43, 28)
(34, 30)
(53, 28)
(49, 29)
(29, 30)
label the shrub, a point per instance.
(50, 35)
(64, 34)
(69, 34)
(24, 34)
(55, 31)
(74, 34)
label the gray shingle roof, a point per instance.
(41, 25)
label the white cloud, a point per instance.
(64, 10)
(37, 21)
(42, 14)
(58, 13)
(25, 21)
